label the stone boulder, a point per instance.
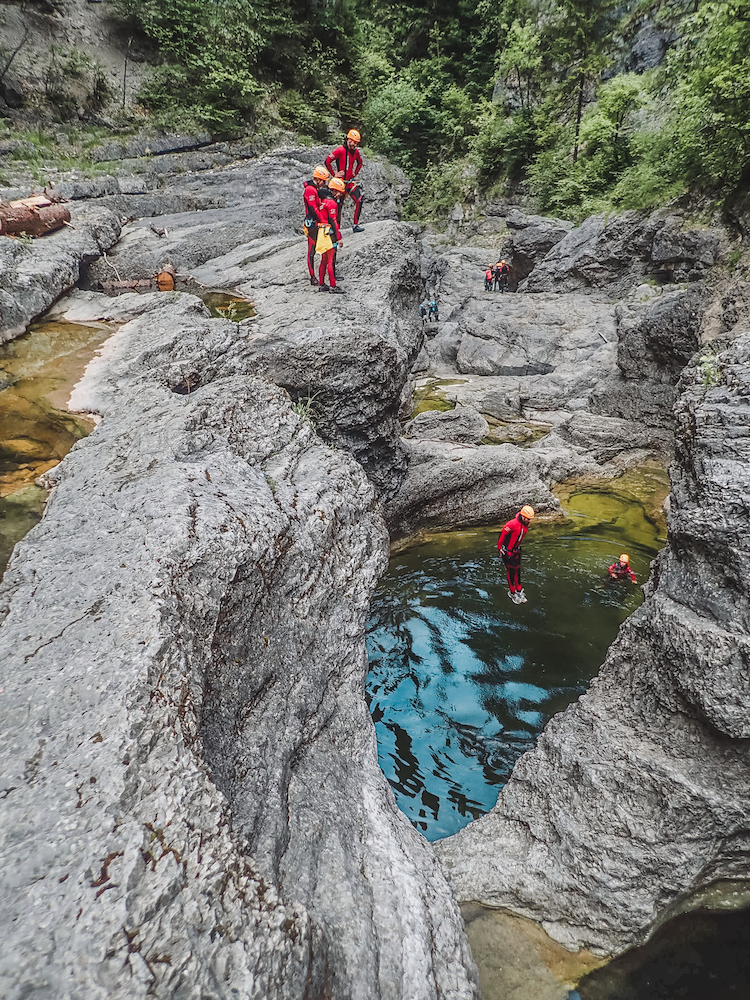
(637, 797)
(533, 238)
(192, 797)
(614, 254)
(34, 274)
(656, 340)
(462, 425)
(452, 485)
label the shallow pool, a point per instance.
(37, 373)
(462, 681)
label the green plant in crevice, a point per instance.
(305, 408)
(709, 368)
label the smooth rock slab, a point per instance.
(193, 802)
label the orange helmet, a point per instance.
(320, 174)
(336, 184)
(625, 558)
(527, 512)
(354, 135)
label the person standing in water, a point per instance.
(509, 546)
(621, 570)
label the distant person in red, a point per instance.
(621, 570)
(313, 215)
(330, 209)
(346, 162)
(509, 546)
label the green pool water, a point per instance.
(37, 373)
(462, 681)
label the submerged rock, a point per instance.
(193, 800)
(637, 796)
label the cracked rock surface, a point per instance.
(636, 797)
(34, 274)
(192, 804)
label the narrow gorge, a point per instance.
(191, 803)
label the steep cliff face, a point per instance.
(637, 796)
(192, 801)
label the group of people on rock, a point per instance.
(497, 275)
(323, 197)
(509, 547)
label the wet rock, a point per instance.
(191, 768)
(637, 795)
(34, 274)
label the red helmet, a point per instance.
(320, 174)
(336, 184)
(354, 135)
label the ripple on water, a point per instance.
(462, 681)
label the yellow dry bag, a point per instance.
(323, 242)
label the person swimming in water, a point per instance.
(621, 570)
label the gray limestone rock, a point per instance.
(462, 425)
(453, 485)
(636, 797)
(34, 275)
(345, 358)
(533, 238)
(193, 804)
(614, 254)
(656, 339)
(238, 203)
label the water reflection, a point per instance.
(462, 681)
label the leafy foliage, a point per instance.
(472, 93)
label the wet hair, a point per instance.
(325, 192)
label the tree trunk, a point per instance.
(32, 219)
(579, 114)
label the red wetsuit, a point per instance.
(330, 209)
(509, 546)
(349, 163)
(313, 216)
(619, 572)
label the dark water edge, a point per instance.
(697, 956)
(462, 681)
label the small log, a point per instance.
(23, 218)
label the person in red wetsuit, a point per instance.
(313, 215)
(330, 208)
(621, 570)
(346, 162)
(509, 546)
